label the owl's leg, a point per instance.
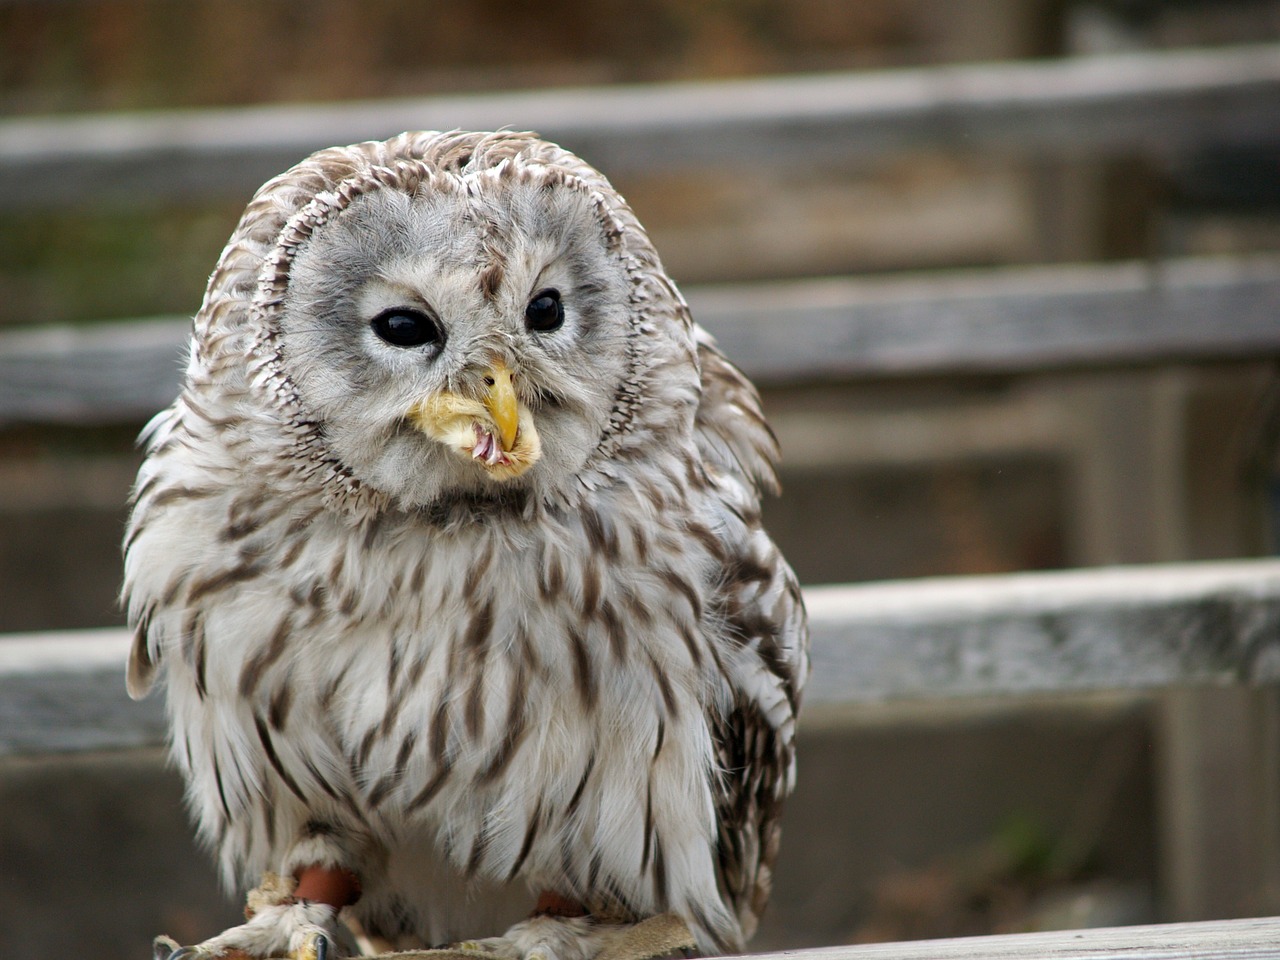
(295, 919)
(561, 930)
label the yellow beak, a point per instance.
(500, 400)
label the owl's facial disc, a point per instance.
(496, 433)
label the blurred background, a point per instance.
(911, 819)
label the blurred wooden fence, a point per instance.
(1152, 103)
(1154, 627)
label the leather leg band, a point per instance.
(332, 885)
(553, 905)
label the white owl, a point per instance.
(450, 555)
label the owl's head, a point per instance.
(448, 315)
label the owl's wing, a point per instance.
(767, 664)
(144, 652)
(766, 639)
(731, 431)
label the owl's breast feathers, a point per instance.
(621, 679)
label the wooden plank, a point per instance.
(1210, 940)
(1124, 627)
(1155, 102)
(92, 374)
(1137, 627)
(1015, 320)
(1219, 851)
(1010, 320)
(64, 692)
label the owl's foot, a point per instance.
(279, 926)
(586, 938)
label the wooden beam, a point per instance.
(1009, 320)
(97, 373)
(64, 692)
(1212, 940)
(1219, 846)
(1152, 102)
(1123, 627)
(1014, 320)
(1136, 627)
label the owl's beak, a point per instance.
(492, 430)
(500, 400)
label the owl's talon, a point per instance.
(301, 930)
(316, 947)
(544, 937)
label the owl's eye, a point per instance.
(402, 327)
(544, 312)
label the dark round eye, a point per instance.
(545, 311)
(402, 327)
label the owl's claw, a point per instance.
(297, 931)
(161, 944)
(584, 938)
(316, 947)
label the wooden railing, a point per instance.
(1211, 940)
(1135, 627)
(1153, 103)
(1006, 320)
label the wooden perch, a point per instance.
(1211, 940)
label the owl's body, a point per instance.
(467, 642)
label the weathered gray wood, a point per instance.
(998, 321)
(1212, 940)
(1133, 628)
(92, 374)
(1154, 102)
(1120, 627)
(63, 692)
(1218, 844)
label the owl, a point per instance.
(450, 557)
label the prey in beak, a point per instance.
(496, 431)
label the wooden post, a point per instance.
(1219, 801)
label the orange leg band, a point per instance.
(553, 905)
(332, 885)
